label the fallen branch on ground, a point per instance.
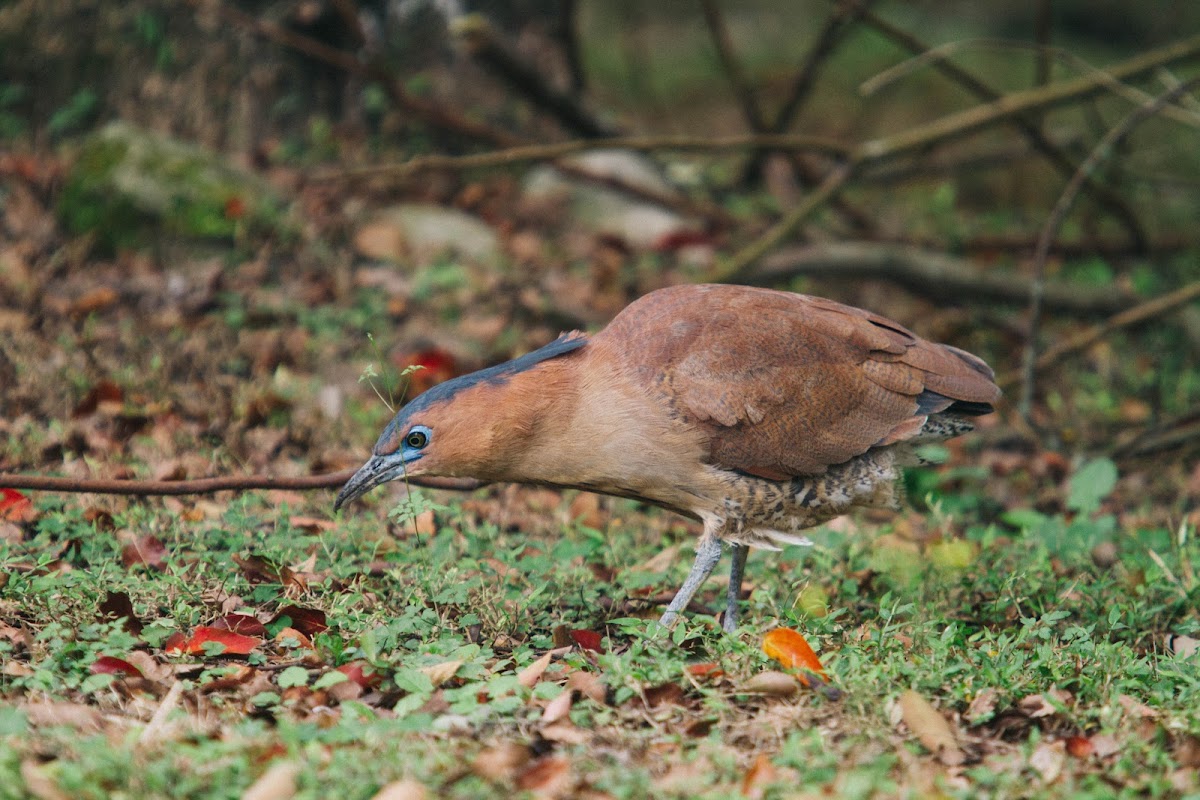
(332, 480)
(931, 274)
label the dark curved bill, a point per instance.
(377, 470)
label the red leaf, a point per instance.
(103, 392)
(258, 569)
(240, 623)
(235, 643)
(111, 665)
(146, 550)
(1080, 746)
(308, 621)
(708, 669)
(235, 208)
(362, 673)
(16, 507)
(588, 640)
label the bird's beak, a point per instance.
(377, 470)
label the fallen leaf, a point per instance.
(533, 673)
(500, 762)
(440, 673)
(147, 550)
(1036, 706)
(73, 715)
(406, 789)
(1079, 746)
(40, 785)
(708, 670)
(791, 650)
(1183, 646)
(772, 683)
(588, 640)
(549, 776)
(309, 621)
(16, 507)
(240, 623)
(277, 783)
(587, 684)
(118, 606)
(1104, 745)
(235, 644)
(557, 709)
(930, 728)
(361, 673)
(95, 300)
(292, 639)
(111, 665)
(104, 392)
(761, 773)
(312, 524)
(1136, 708)
(1048, 760)
(982, 707)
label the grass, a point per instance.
(1007, 612)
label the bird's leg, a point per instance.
(708, 553)
(734, 593)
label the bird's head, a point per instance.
(474, 426)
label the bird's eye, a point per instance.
(416, 439)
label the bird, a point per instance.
(760, 413)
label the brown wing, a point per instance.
(788, 384)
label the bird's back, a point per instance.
(787, 385)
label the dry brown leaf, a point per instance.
(772, 683)
(587, 684)
(39, 784)
(564, 732)
(1046, 704)
(533, 673)
(549, 776)
(379, 241)
(1104, 745)
(1184, 646)
(1136, 708)
(1048, 760)
(407, 789)
(557, 709)
(982, 706)
(761, 774)
(73, 715)
(501, 762)
(661, 561)
(931, 728)
(440, 673)
(277, 783)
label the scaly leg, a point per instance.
(736, 569)
(708, 553)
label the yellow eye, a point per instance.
(416, 440)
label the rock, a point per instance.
(130, 187)
(640, 224)
(422, 232)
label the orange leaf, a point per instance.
(362, 673)
(16, 507)
(792, 650)
(235, 643)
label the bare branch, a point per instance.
(742, 90)
(931, 274)
(331, 480)
(1057, 216)
(483, 44)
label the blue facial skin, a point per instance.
(408, 453)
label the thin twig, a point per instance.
(954, 126)
(736, 268)
(1058, 215)
(435, 114)
(1155, 308)
(548, 152)
(486, 47)
(331, 480)
(718, 31)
